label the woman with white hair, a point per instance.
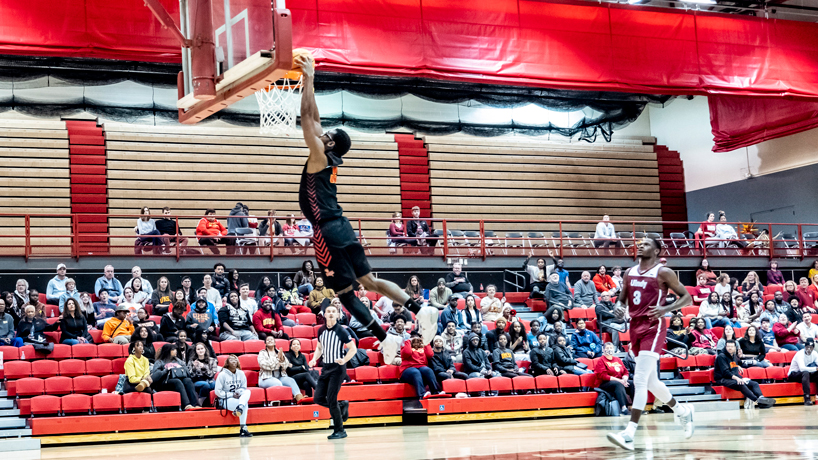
(20, 296)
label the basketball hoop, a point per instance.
(278, 105)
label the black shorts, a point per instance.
(340, 256)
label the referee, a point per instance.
(331, 340)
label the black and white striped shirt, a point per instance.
(332, 342)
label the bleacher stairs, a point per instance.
(15, 435)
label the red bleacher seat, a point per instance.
(667, 363)
(61, 351)
(59, 386)
(118, 365)
(306, 319)
(309, 347)
(44, 368)
(690, 311)
(477, 385)
(773, 288)
(108, 382)
(232, 347)
(84, 350)
(454, 386)
(279, 394)
(776, 357)
(569, 382)
(587, 380)
(9, 353)
(111, 350)
(45, 405)
(258, 396)
(98, 366)
(87, 384)
(776, 373)
(755, 373)
(389, 373)
(489, 325)
(252, 378)
(587, 361)
(107, 402)
(368, 343)
(249, 362)
(52, 311)
(158, 346)
(705, 361)
(374, 357)
(136, 401)
(76, 404)
(501, 384)
(366, 374)
(17, 369)
(167, 400)
(253, 346)
(222, 359)
(523, 384)
(30, 386)
(546, 382)
(217, 347)
(283, 345)
(303, 332)
(351, 375)
(287, 330)
(686, 363)
(740, 331)
(27, 353)
(96, 334)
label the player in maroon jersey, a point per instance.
(644, 288)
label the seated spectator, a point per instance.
(533, 331)
(56, 285)
(173, 322)
(542, 358)
(414, 368)
(144, 335)
(557, 294)
(139, 296)
(680, 333)
(503, 359)
(362, 330)
(31, 330)
(169, 373)
(453, 341)
(145, 227)
(585, 292)
(305, 279)
(803, 369)
(34, 300)
(264, 284)
(726, 234)
(210, 231)
(728, 334)
(200, 323)
(442, 364)
(71, 292)
(449, 314)
(607, 319)
(605, 235)
(751, 309)
(553, 315)
(236, 322)
(247, 302)
(493, 336)
(781, 305)
(168, 226)
(710, 275)
(475, 360)
(585, 343)
(768, 336)
(707, 230)
(231, 389)
(274, 366)
(390, 355)
(318, 295)
(127, 301)
(104, 309)
(555, 333)
(711, 311)
(603, 282)
(267, 322)
(537, 275)
(220, 281)
(269, 229)
(420, 232)
(728, 372)
(564, 358)
(400, 312)
(769, 313)
(797, 309)
(753, 350)
(414, 290)
(144, 320)
(137, 370)
(478, 330)
(471, 314)
(439, 296)
(118, 329)
(774, 275)
(73, 325)
(8, 298)
(87, 309)
(491, 306)
(518, 341)
(790, 289)
(806, 328)
(612, 377)
(289, 230)
(722, 285)
(136, 274)
(458, 280)
(299, 370)
(703, 341)
(162, 297)
(238, 218)
(383, 307)
(702, 290)
(213, 296)
(20, 294)
(396, 233)
(289, 294)
(787, 334)
(203, 367)
(751, 285)
(7, 328)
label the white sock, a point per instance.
(679, 409)
(631, 429)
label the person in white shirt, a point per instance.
(803, 369)
(383, 307)
(231, 389)
(605, 236)
(711, 311)
(213, 295)
(490, 306)
(725, 233)
(136, 272)
(723, 285)
(246, 302)
(806, 329)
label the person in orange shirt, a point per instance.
(118, 329)
(603, 281)
(209, 231)
(612, 376)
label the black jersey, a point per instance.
(318, 195)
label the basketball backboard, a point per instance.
(230, 50)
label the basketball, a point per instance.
(300, 54)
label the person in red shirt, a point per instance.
(414, 368)
(603, 281)
(209, 231)
(612, 376)
(707, 229)
(701, 291)
(805, 294)
(267, 322)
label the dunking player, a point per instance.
(340, 256)
(644, 290)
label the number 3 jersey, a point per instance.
(644, 291)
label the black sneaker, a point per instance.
(244, 433)
(338, 435)
(344, 410)
(765, 403)
(807, 401)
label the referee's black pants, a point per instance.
(326, 392)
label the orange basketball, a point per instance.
(300, 54)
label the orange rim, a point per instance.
(293, 76)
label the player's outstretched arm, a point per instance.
(668, 278)
(311, 120)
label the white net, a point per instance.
(278, 107)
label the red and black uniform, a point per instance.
(644, 292)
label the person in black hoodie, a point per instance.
(220, 281)
(542, 358)
(73, 325)
(556, 333)
(564, 358)
(728, 372)
(144, 335)
(477, 329)
(299, 369)
(493, 336)
(606, 318)
(199, 323)
(441, 362)
(31, 330)
(503, 359)
(173, 322)
(475, 361)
